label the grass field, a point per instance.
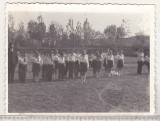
(128, 93)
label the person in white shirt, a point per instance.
(71, 64)
(120, 62)
(37, 63)
(61, 66)
(22, 67)
(110, 62)
(84, 65)
(49, 66)
(147, 62)
(66, 64)
(76, 67)
(55, 58)
(140, 60)
(105, 64)
(94, 62)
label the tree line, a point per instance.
(73, 35)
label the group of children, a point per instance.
(74, 64)
(69, 65)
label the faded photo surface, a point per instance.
(80, 58)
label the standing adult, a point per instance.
(12, 62)
(140, 60)
(22, 68)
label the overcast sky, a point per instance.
(137, 22)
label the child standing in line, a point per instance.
(71, 64)
(120, 62)
(61, 69)
(84, 65)
(110, 62)
(22, 68)
(37, 63)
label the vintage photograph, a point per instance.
(82, 59)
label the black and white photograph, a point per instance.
(80, 58)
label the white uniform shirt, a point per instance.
(110, 57)
(120, 57)
(55, 57)
(61, 60)
(37, 60)
(140, 56)
(23, 60)
(103, 55)
(71, 57)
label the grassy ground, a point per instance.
(129, 93)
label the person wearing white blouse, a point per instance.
(120, 62)
(22, 67)
(37, 63)
(110, 62)
(84, 65)
(71, 64)
(140, 60)
(61, 69)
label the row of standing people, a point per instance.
(69, 65)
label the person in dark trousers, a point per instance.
(12, 62)
(140, 60)
(71, 64)
(22, 68)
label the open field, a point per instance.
(128, 93)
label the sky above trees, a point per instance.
(135, 22)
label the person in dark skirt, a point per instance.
(55, 58)
(71, 64)
(22, 68)
(98, 65)
(12, 62)
(61, 69)
(140, 61)
(44, 66)
(66, 64)
(110, 62)
(77, 63)
(120, 62)
(93, 56)
(49, 67)
(84, 65)
(36, 66)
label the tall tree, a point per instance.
(115, 33)
(11, 30)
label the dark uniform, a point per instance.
(12, 62)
